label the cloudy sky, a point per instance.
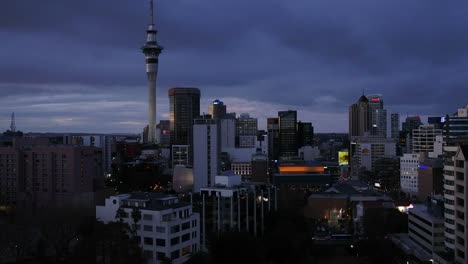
(77, 65)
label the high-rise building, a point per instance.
(287, 122)
(409, 165)
(168, 229)
(246, 131)
(217, 109)
(305, 134)
(378, 116)
(207, 146)
(395, 125)
(455, 153)
(184, 106)
(50, 175)
(359, 117)
(151, 49)
(180, 155)
(406, 135)
(273, 138)
(228, 133)
(424, 138)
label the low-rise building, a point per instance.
(168, 227)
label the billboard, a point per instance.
(343, 157)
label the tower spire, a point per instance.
(151, 13)
(12, 124)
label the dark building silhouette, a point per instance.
(217, 109)
(184, 104)
(305, 134)
(287, 122)
(273, 138)
(359, 117)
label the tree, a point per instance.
(136, 217)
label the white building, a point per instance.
(228, 133)
(426, 229)
(424, 138)
(366, 150)
(168, 227)
(409, 165)
(207, 149)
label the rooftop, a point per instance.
(421, 211)
(154, 201)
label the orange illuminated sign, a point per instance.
(301, 169)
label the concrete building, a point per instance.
(366, 150)
(231, 205)
(46, 176)
(184, 107)
(228, 133)
(246, 131)
(207, 146)
(163, 133)
(424, 137)
(309, 153)
(455, 128)
(409, 165)
(425, 231)
(168, 227)
(151, 49)
(430, 177)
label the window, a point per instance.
(160, 255)
(166, 217)
(175, 254)
(186, 225)
(185, 250)
(160, 242)
(194, 223)
(194, 234)
(147, 217)
(148, 228)
(175, 229)
(148, 241)
(160, 229)
(174, 241)
(148, 254)
(185, 237)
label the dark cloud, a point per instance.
(317, 56)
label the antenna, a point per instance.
(12, 124)
(151, 13)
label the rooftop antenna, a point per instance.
(151, 13)
(12, 124)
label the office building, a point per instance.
(184, 104)
(151, 49)
(395, 125)
(455, 127)
(242, 168)
(436, 121)
(273, 138)
(163, 133)
(424, 137)
(409, 165)
(359, 117)
(387, 174)
(246, 131)
(217, 109)
(260, 168)
(207, 146)
(378, 116)
(305, 134)
(168, 227)
(366, 150)
(287, 123)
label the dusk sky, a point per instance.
(76, 66)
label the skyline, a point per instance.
(94, 68)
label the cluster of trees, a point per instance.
(286, 240)
(68, 237)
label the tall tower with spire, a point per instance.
(12, 124)
(151, 49)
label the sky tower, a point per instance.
(151, 49)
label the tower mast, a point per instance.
(151, 49)
(12, 124)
